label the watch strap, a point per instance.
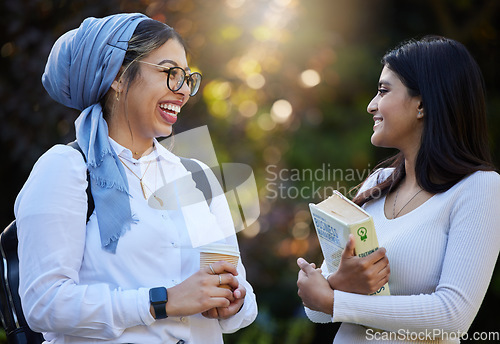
(160, 311)
(158, 298)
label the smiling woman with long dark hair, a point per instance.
(434, 204)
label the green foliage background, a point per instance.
(252, 54)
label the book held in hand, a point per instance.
(334, 219)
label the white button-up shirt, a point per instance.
(75, 292)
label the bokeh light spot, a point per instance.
(235, 3)
(219, 108)
(256, 81)
(249, 66)
(7, 49)
(301, 230)
(265, 122)
(283, 3)
(281, 111)
(262, 33)
(248, 108)
(310, 78)
(184, 27)
(271, 155)
(217, 90)
(230, 33)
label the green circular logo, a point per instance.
(362, 233)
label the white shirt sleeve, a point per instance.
(317, 317)
(51, 218)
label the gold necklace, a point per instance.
(158, 199)
(394, 215)
(139, 155)
(143, 186)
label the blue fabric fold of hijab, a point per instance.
(81, 67)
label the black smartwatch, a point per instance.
(158, 298)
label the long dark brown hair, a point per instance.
(454, 140)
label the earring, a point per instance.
(118, 96)
(420, 114)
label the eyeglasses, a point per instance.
(176, 77)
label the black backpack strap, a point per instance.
(90, 199)
(200, 178)
(13, 321)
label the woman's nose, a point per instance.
(185, 89)
(372, 106)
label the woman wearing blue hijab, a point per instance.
(131, 273)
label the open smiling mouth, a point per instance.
(169, 112)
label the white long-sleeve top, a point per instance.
(442, 255)
(75, 292)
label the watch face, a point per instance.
(158, 294)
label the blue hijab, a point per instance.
(80, 69)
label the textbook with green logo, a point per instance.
(334, 219)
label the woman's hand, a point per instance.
(314, 289)
(360, 275)
(234, 307)
(201, 291)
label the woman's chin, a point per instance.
(164, 131)
(374, 140)
(378, 142)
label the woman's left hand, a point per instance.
(314, 289)
(226, 312)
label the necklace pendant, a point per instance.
(158, 199)
(143, 190)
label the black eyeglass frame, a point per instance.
(188, 78)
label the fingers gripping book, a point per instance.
(334, 219)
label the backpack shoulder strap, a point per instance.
(90, 199)
(200, 178)
(13, 321)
